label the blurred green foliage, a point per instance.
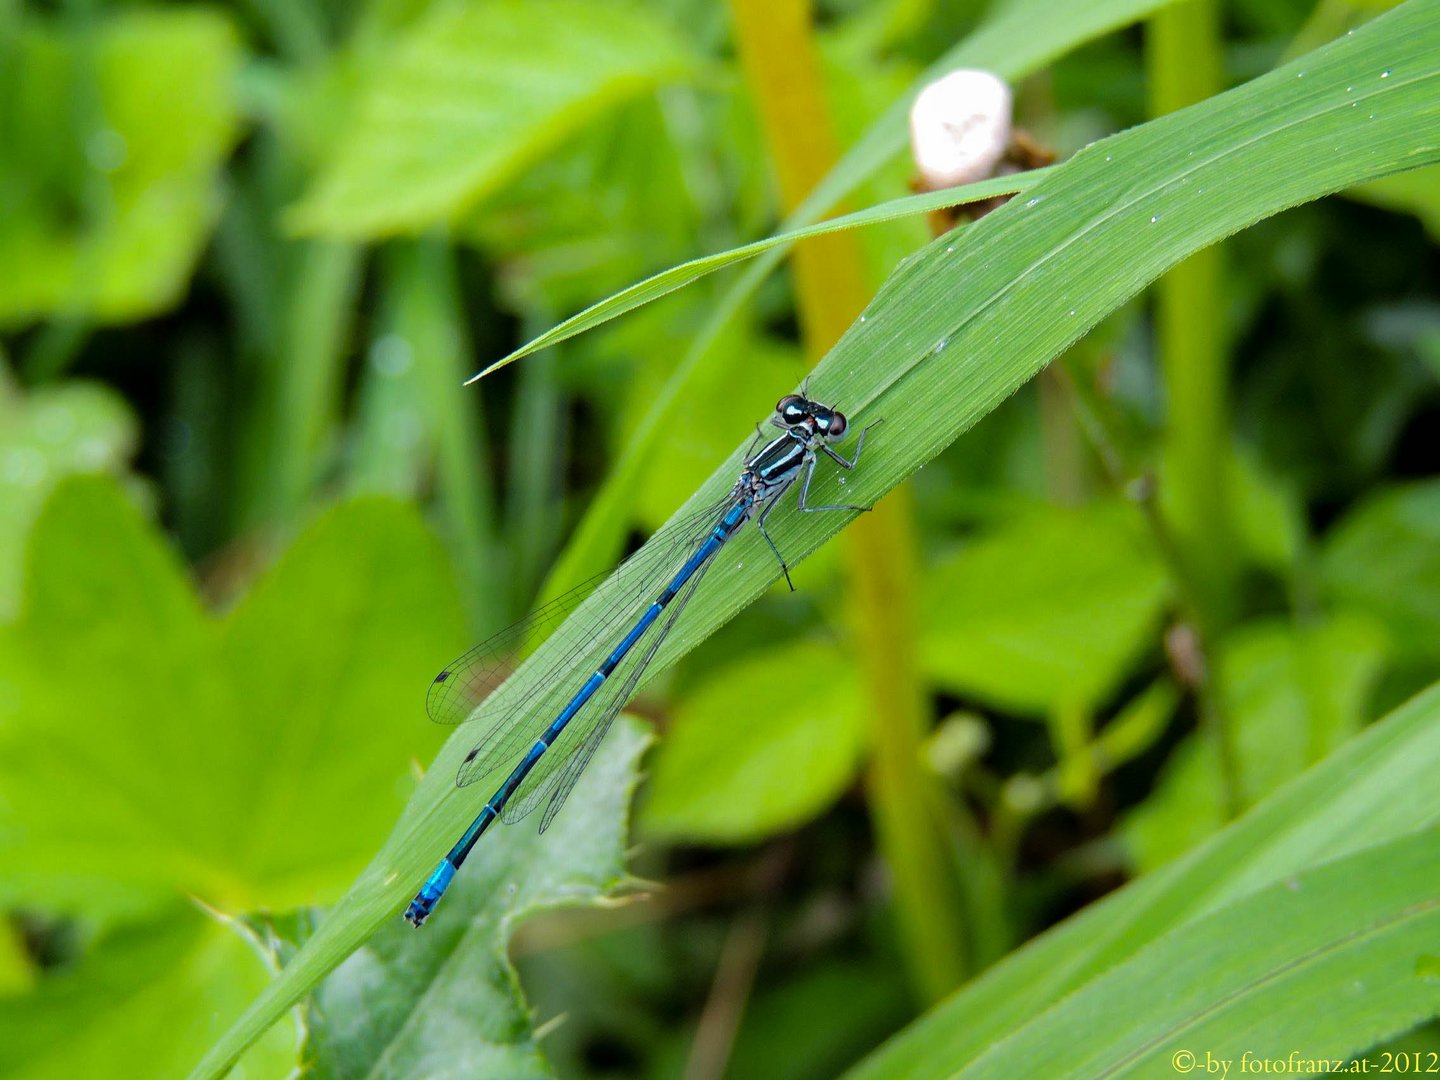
(115, 130)
(251, 250)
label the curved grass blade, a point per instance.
(1339, 807)
(1320, 966)
(667, 281)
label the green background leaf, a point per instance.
(44, 436)
(130, 126)
(1047, 610)
(147, 749)
(733, 769)
(472, 96)
(144, 1003)
(1291, 696)
(1384, 559)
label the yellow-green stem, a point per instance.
(778, 54)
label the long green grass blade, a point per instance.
(1328, 959)
(676, 277)
(1339, 808)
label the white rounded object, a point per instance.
(960, 127)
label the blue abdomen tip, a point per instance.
(430, 893)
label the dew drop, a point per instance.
(106, 150)
(862, 318)
(55, 423)
(1154, 218)
(1108, 157)
(1033, 201)
(1385, 74)
(391, 355)
(24, 466)
(1072, 312)
(950, 250)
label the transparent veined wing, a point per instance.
(458, 691)
(560, 779)
(520, 721)
(593, 722)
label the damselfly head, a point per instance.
(831, 423)
(797, 411)
(793, 410)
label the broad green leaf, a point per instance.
(961, 325)
(1383, 558)
(113, 142)
(470, 97)
(1049, 609)
(608, 207)
(149, 750)
(737, 768)
(446, 1002)
(142, 1004)
(53, 431)
(1290, 696)
(1322, 964)
(1372, 791)
(667, 281)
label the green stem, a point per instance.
(1183, 59)
(436, 325)
(536, 438)
(308, 375)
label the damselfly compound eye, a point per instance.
(793, 409)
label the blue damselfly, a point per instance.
(547, 736)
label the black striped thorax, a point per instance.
(779, 458)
